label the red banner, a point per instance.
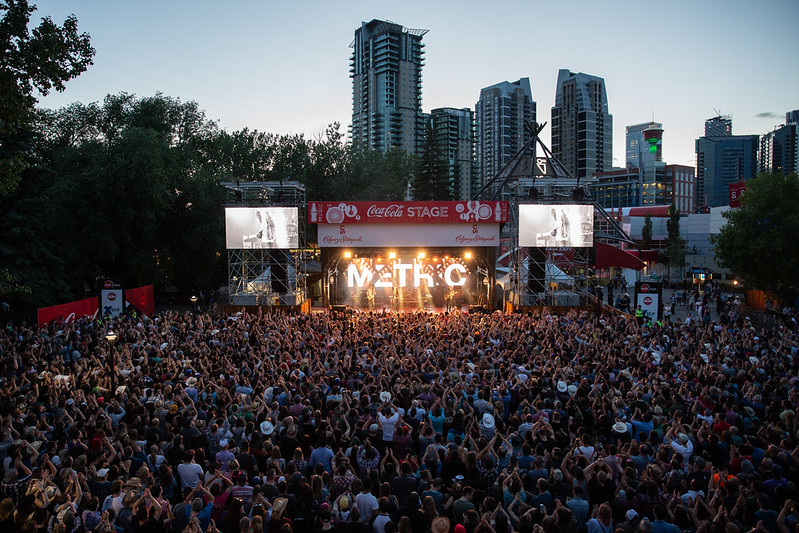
(67, 312)
(142, 299)
(737, 190)
(468, 212)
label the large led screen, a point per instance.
(261, 227)
(550, 226)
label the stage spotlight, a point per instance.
(392, 255)
(421, 255)
(467, 255)
(347, 254)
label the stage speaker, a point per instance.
(536, 270)
(474, 309)
(279, 274)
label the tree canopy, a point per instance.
(130, 188)
(431, 179)
(32, 61)
(756, 242)
(646, 233)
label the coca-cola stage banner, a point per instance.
(402, 235)
(407, 212)
(67, 312)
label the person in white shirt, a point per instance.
(190, 473)
(388, 418)
(682, 444)
(366, 502)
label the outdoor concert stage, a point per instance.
(408, 256)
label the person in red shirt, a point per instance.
(720, 425)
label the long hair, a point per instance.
(429, 508)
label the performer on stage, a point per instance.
(448, 297)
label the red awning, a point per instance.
(656, 211)
(608, 256)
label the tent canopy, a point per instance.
(608, 256)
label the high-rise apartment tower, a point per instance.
(582, 127)
(500, 115)
(386, 71)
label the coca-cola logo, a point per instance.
(645, 287)
(108, 284)
(112, 296)
(648, 300)
(389, 211)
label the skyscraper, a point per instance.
(582, 128)
(386, 72)
(453, 130)
(719, 126)
(721, 161)
(501, 114)
(779, 149)
(644, 147)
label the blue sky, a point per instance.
(283, 67)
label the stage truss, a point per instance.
(538, 276)
(268, 277)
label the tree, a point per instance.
(757, 243)
(431, 178)
(136, 195)
(32, 60)
(646, 233)
(674, 243)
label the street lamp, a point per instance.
(193, 301)
(111, 337)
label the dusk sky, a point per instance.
(283, 67)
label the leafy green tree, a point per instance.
(646, 233)
(33, 273)
(33, 61)
(757, 242)
(431, 179)
(137, 195)
(675, 244)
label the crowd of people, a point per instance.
(409, 422)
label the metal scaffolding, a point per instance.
(537, 276)
(268, 277)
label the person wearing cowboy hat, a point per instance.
(488, 425)
(388, 417)
(440, 524)
(278, 514)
